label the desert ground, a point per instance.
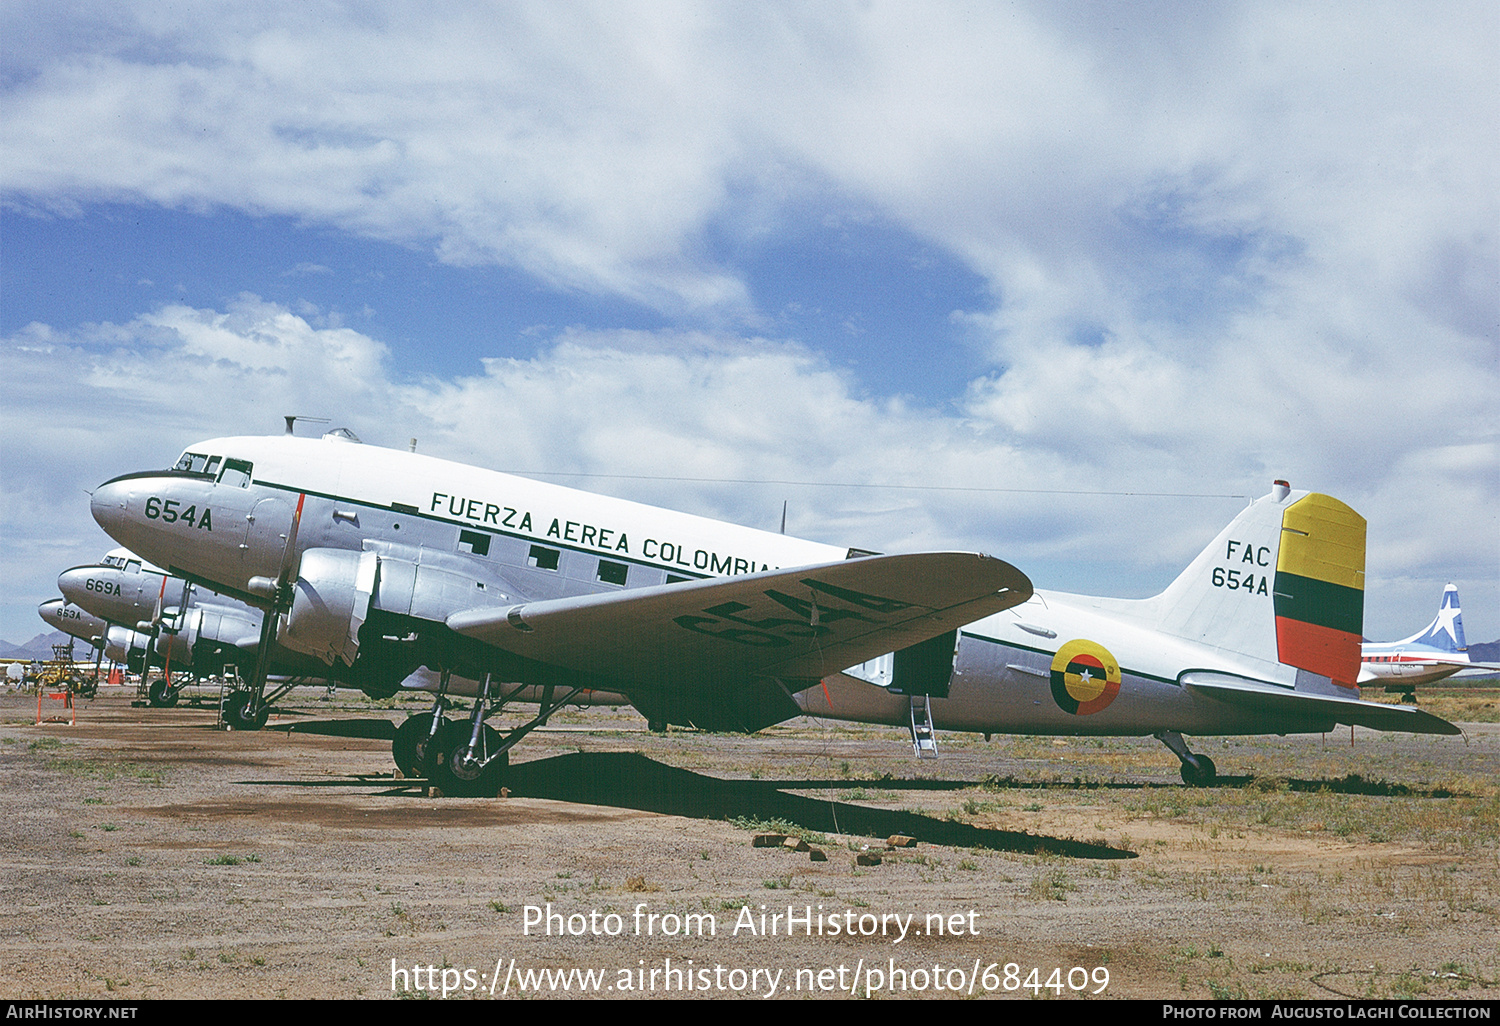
(150, 855)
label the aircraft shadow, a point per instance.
(378, 730)
(632, 781)
(1352, 783)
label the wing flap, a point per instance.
(1301, 706)
(792, 625)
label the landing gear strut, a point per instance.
(414, 737)
(469, 758)
(1197, 770)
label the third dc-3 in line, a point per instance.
(387, 561)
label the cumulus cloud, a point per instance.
(1077, 156)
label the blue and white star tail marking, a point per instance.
(1446, 633)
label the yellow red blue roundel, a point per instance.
(1085, 677)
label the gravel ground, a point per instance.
(151, 855)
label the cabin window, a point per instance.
(612, 573)
(476, 542)
(674, 579)
(543, 558)
(236, 473)
(133, 566)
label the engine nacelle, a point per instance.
(121, 642)
(176, 646)
(229, 628)
(329, 604)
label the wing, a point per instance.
(1302, 707)
(726, 652)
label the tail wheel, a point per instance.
(455, 774)
(409, 745)
(1198, 771)
(238, 715)
(162, 695)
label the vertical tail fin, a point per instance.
(1446, 632)
(1283, 583)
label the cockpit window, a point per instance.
(236, 473)
(213, 465)
(196, 463)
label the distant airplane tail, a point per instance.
(1283, 583)
(1446, 632)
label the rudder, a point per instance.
(1319, 588)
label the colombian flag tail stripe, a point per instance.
(1319, 588)
(1320, 603)
(1319, 650)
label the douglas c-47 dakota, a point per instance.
(386, 561)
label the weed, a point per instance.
(1053, 886)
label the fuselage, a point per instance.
(1011, 676)
(1410, 665)
(516, 538)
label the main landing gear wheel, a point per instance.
(409, 746)
(162, 695)
(237, 714)
(455, 773)
(1198, 771)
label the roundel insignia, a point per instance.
(1085, 677)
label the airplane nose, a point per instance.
(51, 612)
(72, 583)
(110, 504)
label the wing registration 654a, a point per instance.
(793, 625)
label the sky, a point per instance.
(1067, 283)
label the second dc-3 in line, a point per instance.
(390, 560)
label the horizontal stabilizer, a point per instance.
(796, 625)
(1300, 706)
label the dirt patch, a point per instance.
(152, 856)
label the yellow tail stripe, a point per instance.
(1323, 539)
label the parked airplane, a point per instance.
(62, 615)
(133, 608)
(1434, 653)
(394, 560)
(82, 625)
(151, 612)
(1259, 635)
(384, 561)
